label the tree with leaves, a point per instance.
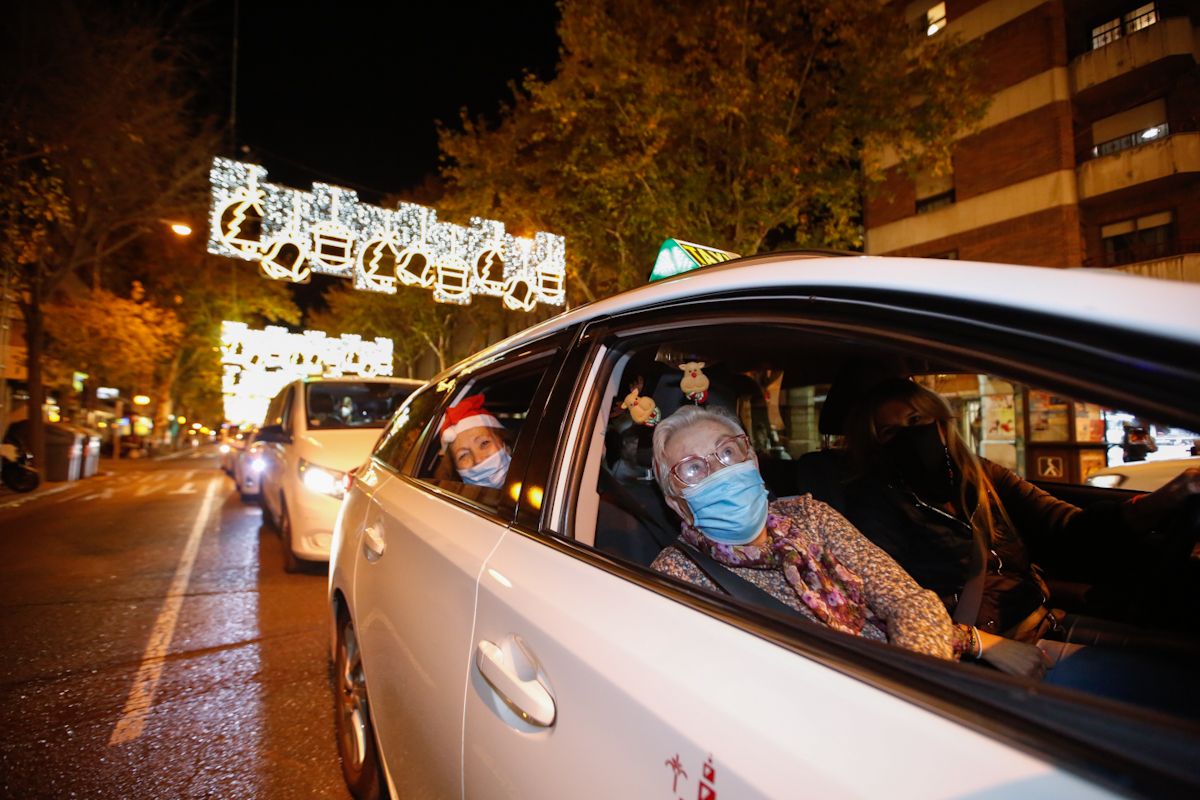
(101, 145)
(746, 124)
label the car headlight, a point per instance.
(257, 464)
(224, 449)
(322, 480)
(1106, 481)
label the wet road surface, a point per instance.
(153, 646)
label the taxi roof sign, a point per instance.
(677, 256)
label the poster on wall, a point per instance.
(1049, 417)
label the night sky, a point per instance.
(348, 92)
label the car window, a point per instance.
(275, 408)
(403, 431)
(466, 452)
(347, 404)
(289, 402)
(795, 388)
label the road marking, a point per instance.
(35, 495)
(187, 488)
(141, 696)
(105, 495)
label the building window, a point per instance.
(1130, 140)
(934, 188)
(1141, 239)
(935, 19)
(1141, 17)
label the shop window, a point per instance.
(1141, 239)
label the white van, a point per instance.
(316, 430)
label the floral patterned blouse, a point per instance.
(901, 612)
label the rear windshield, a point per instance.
(368, 404)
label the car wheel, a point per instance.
(290, 562)
(355, 736)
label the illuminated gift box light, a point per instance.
(258, 363)
(292, 234)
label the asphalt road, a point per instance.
(151, 645)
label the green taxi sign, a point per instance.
(677, 256)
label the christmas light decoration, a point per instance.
(258, 363)
(292, 234)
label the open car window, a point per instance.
(787, 385)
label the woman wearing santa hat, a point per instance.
(473, 438)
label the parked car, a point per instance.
(514, 642)
(1141, 476)
(316, 429)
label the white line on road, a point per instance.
(141, 696)
(37, 495)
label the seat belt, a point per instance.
(733, 584)
(966, 610)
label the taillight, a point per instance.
(348, 479)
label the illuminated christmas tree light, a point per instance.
(291, 234)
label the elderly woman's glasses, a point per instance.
(730, 450)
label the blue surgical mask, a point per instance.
(730, 505)
(489, 472)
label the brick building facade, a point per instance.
(1090, 150)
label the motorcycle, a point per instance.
(15, 469)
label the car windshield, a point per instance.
(366, 404)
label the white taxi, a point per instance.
(513, 641)
(315, 430)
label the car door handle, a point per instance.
(373, 543)
(515, 676)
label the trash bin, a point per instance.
(90, 460)
(64, 452)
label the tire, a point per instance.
(20, 478)
(290, 562)
(352, 715)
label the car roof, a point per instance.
(1119, 300)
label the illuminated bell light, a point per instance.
(179, 229)
(141, 400)
(196, 426)
(181, 419)
(327, 230)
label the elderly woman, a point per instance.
(473, 439)
(799, 550)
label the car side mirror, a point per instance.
(273, 433)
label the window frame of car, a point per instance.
(458, 382)
(1019, 345)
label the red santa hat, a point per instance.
(466, 414)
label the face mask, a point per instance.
(489, 472)
(730, 505)
(921, 459)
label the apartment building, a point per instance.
(1089, 153)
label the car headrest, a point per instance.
(855, 378)
(320, 403)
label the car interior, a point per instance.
(345, 404)
(792, 390)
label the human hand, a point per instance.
(1012, 657)
(1147, 510)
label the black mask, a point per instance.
(918, 456)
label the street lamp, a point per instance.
(141, 400)
(181, 229)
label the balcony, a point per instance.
(1182, 267)
(1173, 38)
(1175, 157)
